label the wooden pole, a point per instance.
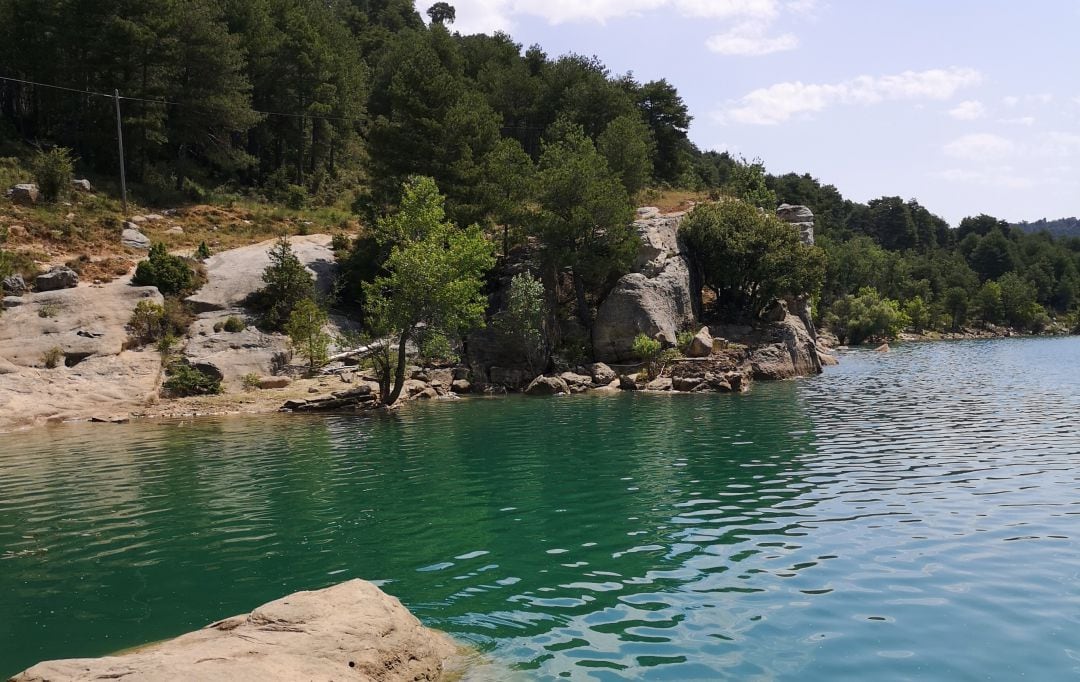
(120, 144)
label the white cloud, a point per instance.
(968, 110)
(1002, 177)
(783, 101)
(981, 147)
(1037, 99)
(749, 39)
(747, 33)
(1020, 121)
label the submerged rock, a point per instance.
(351, 631)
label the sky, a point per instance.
(968, 106)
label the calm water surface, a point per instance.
(906, 516)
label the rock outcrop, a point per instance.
(95, 374)
(543, 385)
(793, 352)
(132, 238)
(657, 297)
(26, 194)
(799, 217)
(351, 631)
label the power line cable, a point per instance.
(172, 103)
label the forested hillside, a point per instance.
(1062, 227)
(340, 102)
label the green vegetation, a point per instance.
(866, 316)
(184, 380)
(523, 323)
(202, 252)
(172, 275)
(432, 276)
(51, 358)
(49, 309)
(152, 322)
(749, 257)
(307, 334)
(287, 284)
(648, 350)
(250, 381)
(53, 172)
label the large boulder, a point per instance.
(799, 217)
(61, 277)
(602, 374)
(26, 194)
(134, 239)
(543, 385)
(14, 285)
(701, 346)
(81, 185)
(657, 297)
(351, 631)
(793, 354)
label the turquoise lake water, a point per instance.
(909, 516)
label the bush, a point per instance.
(170, 274)
(234, 324)
(151, 322)
(52, 357)
(296, 197)
(305, 330)
(750, 258)
(287, 283)
(648, 351)
(203, 252)
(185, 380)
(250, 381)
(340, 243)
(522, 324)
(49, 309)
(165, 344)
(683, 341)
(435, 349)
(53, 172)
(855, 319)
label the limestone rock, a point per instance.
(137, 219)
(62, 277)
(543, 385)
(11, 302)
(26, 194)
(134, 239)
(349, 631)
(883, 348)
(793, 354)
(233, 355)
(628, 382)
(81, 185)
(175, 229)
(799, 217)
(577, 382)
(701, 346)
(460, 386)
(602, 374)
(686, 383)
(656, 297)
(659, 384)
(235, 274)
(14, 285)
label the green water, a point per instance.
(905, 516)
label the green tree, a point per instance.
(523, 324)
(747, 182)
(172, 275)
(509, 182)
(749, 258)
(627, 146)
(287, 284)
(584, 222)
(53, 171)
(956, 305)
(1018, 303)
(307, 334)
(442, 13)
(433, 276)
(988, 304)
(866, 316)
(918, 313)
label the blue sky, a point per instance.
(969, 106)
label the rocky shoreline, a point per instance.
(352, 630)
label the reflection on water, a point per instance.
(905, 516)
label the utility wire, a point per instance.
(176, 104)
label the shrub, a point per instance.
(170, 274)
(53, 171)
(866, 316)
(203, 252)
(250, 381)
(522, 324)
(296, 197)
(435, 349)
(305, 330)
(185, 380)
(683, 341)
(234, 324)
(52, 357)
(287, 283)
(49, 309)
(648, 351)
(165, 344)
(340, 243)
(147, 321)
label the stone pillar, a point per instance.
(800, 217)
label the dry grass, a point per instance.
(670, 200)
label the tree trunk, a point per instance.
(582, 305)
(399, 373)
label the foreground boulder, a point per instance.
(542, 385)
(62, 277)
(351, 631)
(25, 194)
(655, 298)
